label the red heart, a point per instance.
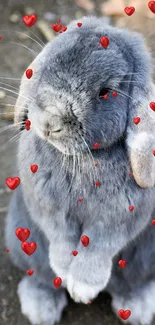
(29, 20)
(22, 233)
(29, 248)
(34, 168)
(151, 5)
(30, 272)
(79, 24)
(122, 263)
(153, 152)
(152, 105)
(27, 125)
(74, 253)
(96, 164)
(97, 183)
(85, 240)
(1, 37)
(124, 314)
(105, 96)
(7, 250)
(96, 145)
(58, 20)
(80, 199)
(57, 27)
(104, 41)
(12, 183)
(64, 28)
(129, 10)
(131, 207)
(29, 73)
(153, 222)
(136, 120)
(115, 93)
(57, 282)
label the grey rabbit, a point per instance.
(69, 115)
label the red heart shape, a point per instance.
(96, 145)
(12, 183)
(153, 152)
(74, 253)
(129, 10)
(29, 73)
(131, 207)
(124, 314)
(57, 27)
(115, 93)
(96, 164)
(97, 183)
(27, 125)
(122, 263)
(64, 28)
(79, 24)
(104, 41)
(80, 199)
(30, 272)
(152, 105)
(153, 222)
(22, 233)
(29, 248)
(1, 37)
(34, 168)
(85, 240)
(151, 5)
(105, 96)
(29, 20)
(57, 282)
(136, 120)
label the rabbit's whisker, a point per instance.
(8, 127)
(14, 138)
(22, 45)
(20, 33)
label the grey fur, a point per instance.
(63, 94)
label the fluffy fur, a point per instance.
(68, 117)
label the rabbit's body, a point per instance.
(47, 202)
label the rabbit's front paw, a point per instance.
(82, 292)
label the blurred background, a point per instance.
(19, 45)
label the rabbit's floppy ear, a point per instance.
(140, 137)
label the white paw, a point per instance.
(39, 305)
(141, 305)
(82, 292)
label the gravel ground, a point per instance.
(14, 59)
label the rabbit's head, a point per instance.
(66, 99)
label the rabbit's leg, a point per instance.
(133, 287)
(40, 303)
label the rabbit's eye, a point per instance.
(103, 92)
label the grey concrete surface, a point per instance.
(14, 59)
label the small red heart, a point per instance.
(74, 253)
(124, 314)
(97, 183)
(30, 272)
(153, 152)
(22, 234)
(34, 168)
(80, 199)
(152, 105)
(7, 250)
(58, 21)
(153, 222)
(151, 5)
(85, 240)
(29, 73)
(115, 93)
(64, 28)
(79, 24)
(96, 145)
(27, 125)
(136, 120)
(57, 27)
(12, 183)
(1, 37)
(96, 164)
(104, 41)
(129, 175)
(29, 248)
(131, 207)
(122, 263)
(129, 10)
(29, 20)
(105, 96)
(57, 282)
